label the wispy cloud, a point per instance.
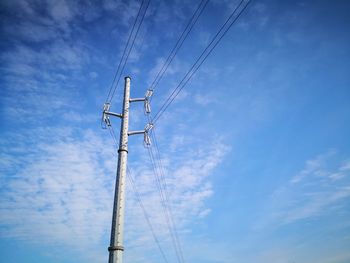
(313, 167)
(189, 186)
(62, 193)
(59, 195)
(319, 188)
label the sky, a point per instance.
(255, 148)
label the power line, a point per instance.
(114, 249)
(124, 52)
(213, 43)
(162, 176)
(132, 45)
(200, 60)
(129, 48)
(179, 42)
(139, 200)
(114, 137)
(164, 194)
(165, 206)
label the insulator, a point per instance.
(147, 106)
(149, 93)
(105, 117)
(148, 127)
(106, 106)
(147, 139)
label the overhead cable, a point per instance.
(162, 177)
(146, 216)
(179, 42)
(128, 48)
(165, 205)
(163, 184)
(131, 46)
(124, 52)
(204, 55)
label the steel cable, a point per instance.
(165, 206)
(129, 49)
(139, 200)
(124, 52)
(198, 12)
(200, 60)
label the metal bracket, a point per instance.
(146, 100)
(145, 132)
(147, 104)
(147, 139)
(106, 113)
(136, 132)
(137, 99)
(114, 114)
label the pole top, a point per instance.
(127, 77)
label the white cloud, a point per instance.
(30, 31)
(345, 166)
(173, 68)
(59, 197)
(60, 11)
(313, 167)
(93, 75)
(320, 188)
(39, 81)
(188, 184)
(203, 100)
(62, 192)
(57, 187)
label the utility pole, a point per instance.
(116, 244)
(116, 247)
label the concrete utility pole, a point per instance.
(116, 247)
(116, 244)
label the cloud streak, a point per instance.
(320, 187)
(63, 194)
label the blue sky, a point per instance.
(255, 148)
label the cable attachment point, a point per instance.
(147, 104)
(147, 139)
(105, 122)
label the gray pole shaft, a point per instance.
(116, 245)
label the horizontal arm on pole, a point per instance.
(136, 132)
(137, 99)
(113, 114)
